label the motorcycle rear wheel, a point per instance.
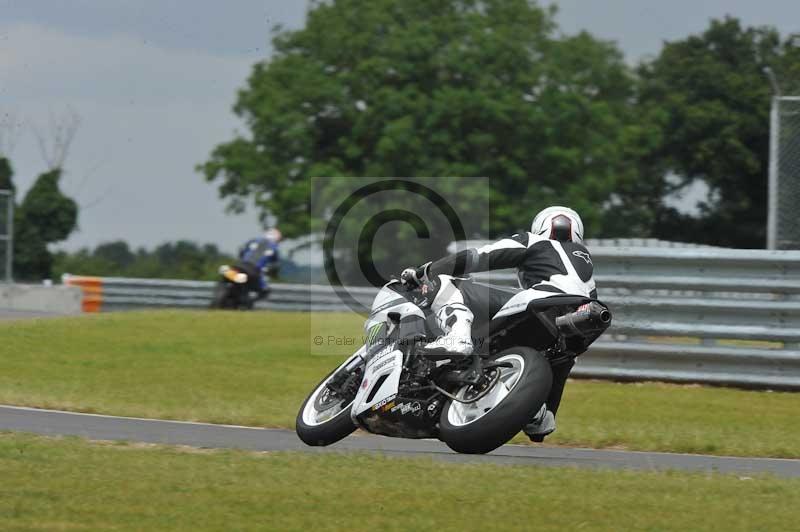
(484, 425)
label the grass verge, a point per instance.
(256, 369)
(66, 484)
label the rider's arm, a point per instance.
(506, 253)
(244, 248)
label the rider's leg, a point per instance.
(453, 317)
(544, 422)
(560, 374)
(460, 304)
(263, 287)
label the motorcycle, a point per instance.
(394, 387)
(236, 289)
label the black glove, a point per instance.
(414, 277)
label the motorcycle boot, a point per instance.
(455, 320)
(542, 424)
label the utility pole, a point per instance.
(8, 236)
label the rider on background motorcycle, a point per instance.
(259, 258)
(550, 260)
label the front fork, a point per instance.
(339, 382)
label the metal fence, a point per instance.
(783, 224)
(708, 315)
(102, 294)
(687, 315)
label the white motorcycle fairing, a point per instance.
(380, 382)
(381, 378)
(386, 301)
(377, 407)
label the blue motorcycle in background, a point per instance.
(241, 285)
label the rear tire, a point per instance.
(505, 419)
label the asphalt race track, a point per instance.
(7, 314)
(98, 427)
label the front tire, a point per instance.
(223, 296)
(321, 432)
(485, 425)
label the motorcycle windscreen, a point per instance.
(386, 301)
(380, 382)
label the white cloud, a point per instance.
(37, 62)
(148, 116)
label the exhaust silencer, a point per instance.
(589, 318)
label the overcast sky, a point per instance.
(153, 82)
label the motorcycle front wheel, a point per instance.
(223, 297)
(324, 418)
(481, 426)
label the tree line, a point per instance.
(181, 259)
(411, 88)
(172, 260)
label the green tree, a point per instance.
(710, 98)
(46, 207)
(373, 88)
(116, 253)
(178, 260)
(45, 216)
(6, 175)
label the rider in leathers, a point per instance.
(550, 260)
(259, 258)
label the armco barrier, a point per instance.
(119, 293)
(92, 290)
(34, 298)
(688, 315)
(695, 315)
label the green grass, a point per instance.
(687, 419)
(227, 367)
(71, 484)
(256, 369)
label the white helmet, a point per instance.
(273, 235)
(558, 223)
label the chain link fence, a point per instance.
(784, 186)
(6, 234)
